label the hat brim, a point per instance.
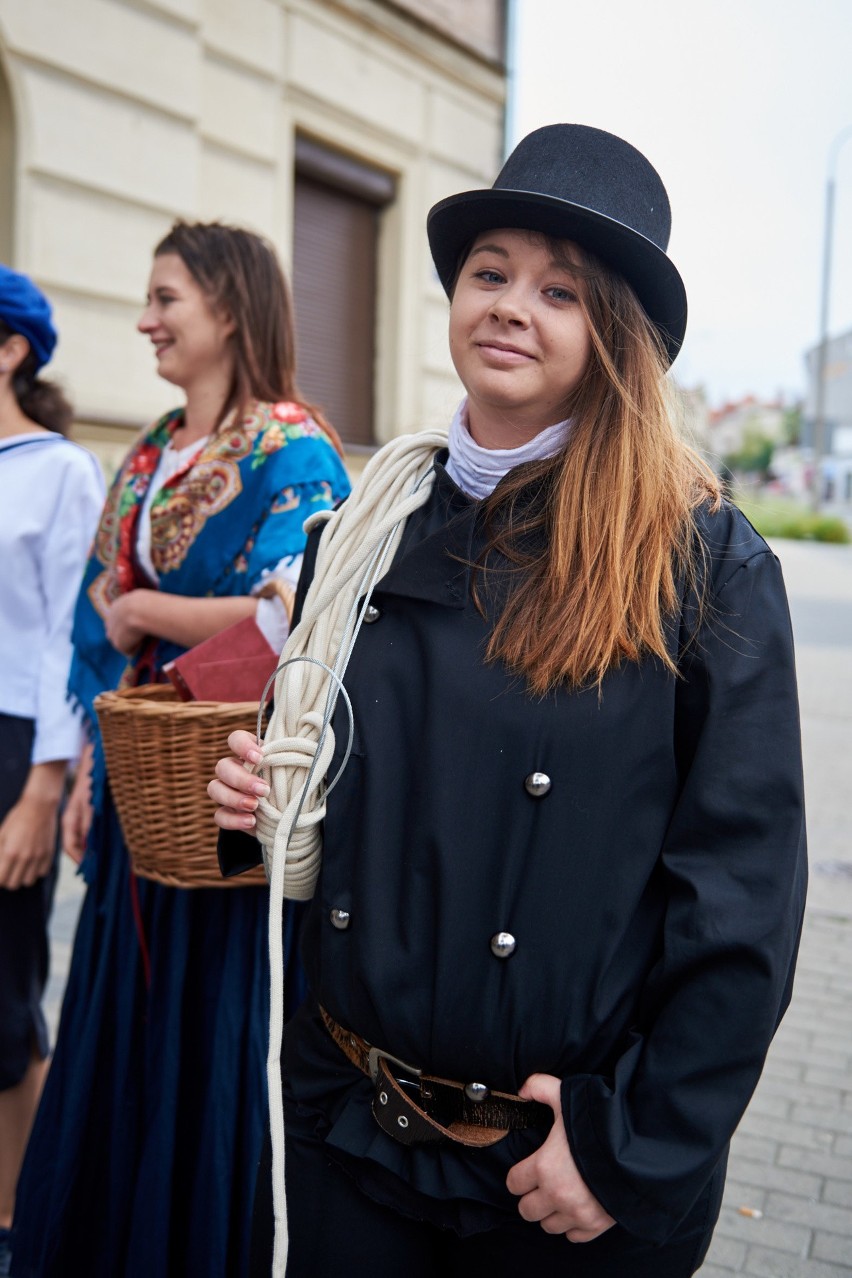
(454, 222)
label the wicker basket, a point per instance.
(160, 754)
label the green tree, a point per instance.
(755, 454)
(791, 426)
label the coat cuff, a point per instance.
(630, 1206)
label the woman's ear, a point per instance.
(13, 352)
(229, 326)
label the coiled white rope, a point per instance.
(359, 541)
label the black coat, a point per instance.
(654, 891)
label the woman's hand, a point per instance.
(28, 831)
(27, 842)
(550, 1188)
(235, 789)
(77, 817)
(124, 628)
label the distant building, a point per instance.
(836, 464)
(330, 126)
(730, 425)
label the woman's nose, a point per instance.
(146, 321)
(510, 308)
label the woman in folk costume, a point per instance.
(144, 1152)
(562, 854)
(51, 493)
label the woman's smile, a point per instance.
(501, 353)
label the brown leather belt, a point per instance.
(414, 1107)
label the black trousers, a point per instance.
(24, 915)
(336, 1229)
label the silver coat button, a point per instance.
(339, 919)
(537, 784)
(502, 944)
(371, 614)
(477, 1091)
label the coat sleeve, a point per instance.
(647, 1138)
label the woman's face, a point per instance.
(518, 336)
(190, 337)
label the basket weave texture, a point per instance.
(160, 754)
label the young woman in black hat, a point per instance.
(546, 675)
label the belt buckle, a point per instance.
(376, 1054)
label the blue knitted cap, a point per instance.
(26, 310)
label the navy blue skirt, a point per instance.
(145, 1149)
(24, 916)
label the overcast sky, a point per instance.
(736, 103)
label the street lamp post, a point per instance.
(822, 349)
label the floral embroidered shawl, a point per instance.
(217, 527)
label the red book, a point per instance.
(232, 665)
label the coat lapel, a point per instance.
(433, 560)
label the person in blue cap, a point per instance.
(50, 495)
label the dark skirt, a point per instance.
(144, 1153)
(24, 915)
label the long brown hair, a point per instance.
(241, 276)
(599, 561)
(38, 399)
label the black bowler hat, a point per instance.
(576, 183)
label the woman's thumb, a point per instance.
(544, 1088)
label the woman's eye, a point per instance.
(561, 294)
(490, 277)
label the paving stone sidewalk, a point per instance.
(63, 924)
(791, 1159)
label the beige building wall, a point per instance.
(116, 116)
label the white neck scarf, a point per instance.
(478, 471)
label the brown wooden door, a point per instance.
(334, 291)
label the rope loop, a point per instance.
(359, 539)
